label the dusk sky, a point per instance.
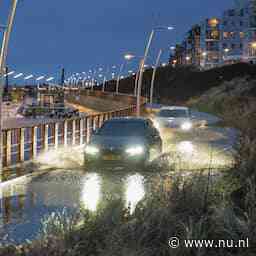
(84, 34)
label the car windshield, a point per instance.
(122, 129)
(173, 113)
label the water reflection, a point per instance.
(91, 191)
(135, 191)
(99, 189)
(24, 204)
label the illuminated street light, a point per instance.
(253, 44)
(18, 75)
(9, 73)
(28, 77)
(40, 78)
(50, 79)
(127, 57)
(143, 61)
(226, 50)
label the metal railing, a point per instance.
(23, 144)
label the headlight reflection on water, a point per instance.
(94, 191)
(186, 126)
(185, 147)
(91, 192)
(134, 191)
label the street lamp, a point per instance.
(93, 80)
(18, 75)
(127, 57)
(144, 61)
(3, 56)
(154, 75)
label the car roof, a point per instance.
(174, 108)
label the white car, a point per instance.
(174, 117)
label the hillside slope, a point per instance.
(180, 84)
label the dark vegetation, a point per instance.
(180, 84)
(201, 206)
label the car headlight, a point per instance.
(91, 150)
(135, 150)
(186, 126)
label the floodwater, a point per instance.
(25, 202)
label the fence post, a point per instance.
(9, 148)
(65, 133)
(73, 132)
(81, 131)
(88, 129)
(94, 123)
(56, 135)
(46, 135)
(22, 142)
(34, 142)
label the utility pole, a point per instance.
(3, 56)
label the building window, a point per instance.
(231, 13)
(241, 23)
(213, 22)
(227, 35)
(233, 46)
(225, 23)
(241, 34)
(241, 12)
(241, 46)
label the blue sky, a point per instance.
(84, 34)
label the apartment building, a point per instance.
(217, 41)
(249, 49)
(233, 27)
(210, 42)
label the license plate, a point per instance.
(111, 157)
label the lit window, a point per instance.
(213, 22)
(225, 35)
(241, 34)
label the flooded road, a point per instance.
(25, 202)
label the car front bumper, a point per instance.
(101, 160)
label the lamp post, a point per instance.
(92, 81)
(154, 76)
(105, 80)
(127, 57)
(3, 56)
(143, 63)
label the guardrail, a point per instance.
(23, 144)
